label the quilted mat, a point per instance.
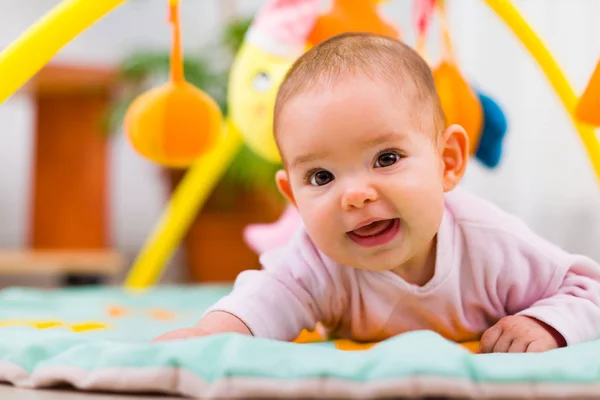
(99, 339)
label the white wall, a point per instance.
(545, 177)
(16, 128)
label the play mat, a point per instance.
(99, 339)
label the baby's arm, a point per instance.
(213, 323)
(572, 302)
(293, 291)
(549, 306)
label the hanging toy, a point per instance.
(422, 12)
(459, 101)
(489, 150)
(175, 123)
(487, 125)
(588, 107)
(351, 16)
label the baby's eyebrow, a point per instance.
(305, 158)
(384, 138)
(371, 142)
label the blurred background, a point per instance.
(69, 180)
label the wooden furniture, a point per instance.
(75, 266)
(69, 231)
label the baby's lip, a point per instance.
(366, 222)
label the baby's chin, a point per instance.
(348, 254)
(375, 263)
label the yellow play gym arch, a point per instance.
(38, 45)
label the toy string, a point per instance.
(176, 56)
(448, 54)
(422, 13)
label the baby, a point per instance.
(389, 244)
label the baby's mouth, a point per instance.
(375, 233)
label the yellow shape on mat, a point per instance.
(47, 324)
(88, 326)
(36, 324)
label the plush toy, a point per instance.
(264, 237)
(275, 39)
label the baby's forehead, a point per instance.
(375, 94)
(382, 113)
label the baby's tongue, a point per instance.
(373, 229)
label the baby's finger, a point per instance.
(519, 345)
(538, 346)
(179, 334)
(504, 342)
(489, 339)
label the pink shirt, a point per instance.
(489, 265)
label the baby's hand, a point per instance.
(213, 323)
(520, 334)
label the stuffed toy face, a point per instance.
(254, 80)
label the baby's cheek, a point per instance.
(317, 222)
(320, 223)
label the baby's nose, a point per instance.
(358, 197)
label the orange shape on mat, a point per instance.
(351, 15)
(309, 337)
(459, 102)
(350, 345)
(473, 346)
(116, 311)
(162, 314)
(175, 123)
(588, 108)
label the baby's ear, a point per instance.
(455, 145)
(284, 186)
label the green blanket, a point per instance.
(99, 339)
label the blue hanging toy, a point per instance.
(489, 151)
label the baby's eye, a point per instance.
(261, 82)
(386, 159)
(321, 177)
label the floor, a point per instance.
(9, 392)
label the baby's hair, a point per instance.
(381, 58)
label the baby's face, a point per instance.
(367, 182)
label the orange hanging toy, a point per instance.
(459, 101)
(588, 107)
(175, 123)
(351, 16)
